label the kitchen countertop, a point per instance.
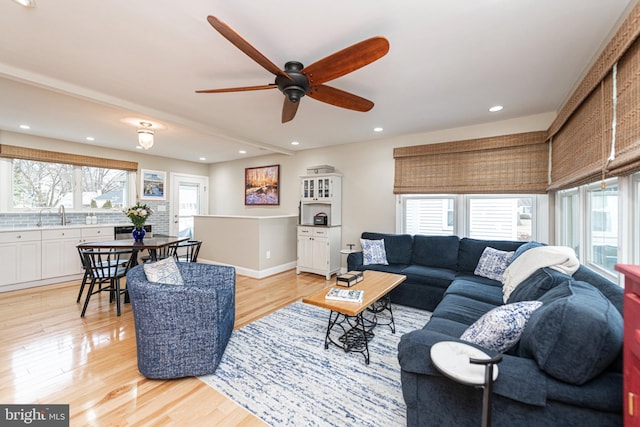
(54, 227)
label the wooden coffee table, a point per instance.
(354, 322)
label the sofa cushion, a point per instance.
(435, 251)
(575, 335)
(500, 328)
(373, 252)
(398, 246)
(477, 290)
(525, 247)
(471, 250)
(440, 277)
(612, 291)
(493, 263)
(461, 309)
(536, 285)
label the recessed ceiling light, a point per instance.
(378, 129)
(496, 108)
(203, 158)
(25, 127)
(138, 147)
(295, 143)
(90, 138)
(242, 151)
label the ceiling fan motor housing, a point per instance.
(297, 86)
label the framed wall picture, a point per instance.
(153, 185)
(262, 185)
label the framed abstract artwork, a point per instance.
(262, 185)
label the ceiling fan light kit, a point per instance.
(296, 81)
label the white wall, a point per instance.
(368, 169)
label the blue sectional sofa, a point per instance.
(566, 368)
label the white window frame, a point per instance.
(6, 191)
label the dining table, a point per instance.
(151, 244)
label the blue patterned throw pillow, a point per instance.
(165, 271)
(501, 328)
(373, 252)
(493, 263)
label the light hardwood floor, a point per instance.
(48, 354)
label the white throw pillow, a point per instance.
(373, 252)
(500, 329)
(165, 271)
(493, 263)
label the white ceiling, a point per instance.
(72, 69)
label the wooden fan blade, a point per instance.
(239, 89)
(253, 53)
(346, 60)
(340, 98)
(289, 110)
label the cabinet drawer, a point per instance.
(305, 231)
(66, 233)
(20, 236)
(88, 233)
(321, 232)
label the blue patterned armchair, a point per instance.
(182, 330)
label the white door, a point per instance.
(189, 197)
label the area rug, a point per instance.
(278, 369)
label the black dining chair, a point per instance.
(187, 251)
(106, 268)
(161, 253)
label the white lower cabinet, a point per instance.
(319, 250)
(20, 256)
(59, 252)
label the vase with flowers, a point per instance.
(138, 215)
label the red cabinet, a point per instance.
(631, 346)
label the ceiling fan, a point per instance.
(296, 80)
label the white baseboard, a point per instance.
(256, 274)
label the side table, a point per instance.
(464, 364)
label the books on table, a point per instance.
(347, 295)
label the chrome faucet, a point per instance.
(39, 224)
(63, 215)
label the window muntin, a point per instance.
(570, 220)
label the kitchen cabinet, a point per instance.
(59, 253)
(319, 250)
(20, 255)
(59, 248)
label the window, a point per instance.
(569, 234)
(42, 184)
(38, 184)
(602, 230)
(104, 188)
(429, 215)
(496, 217)
(502, 218)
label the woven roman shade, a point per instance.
(581, 147)
(503, 164)
(581, 135)
(24, 153)
(627, 144)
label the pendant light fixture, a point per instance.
(145, 135)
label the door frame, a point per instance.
(176, 178)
